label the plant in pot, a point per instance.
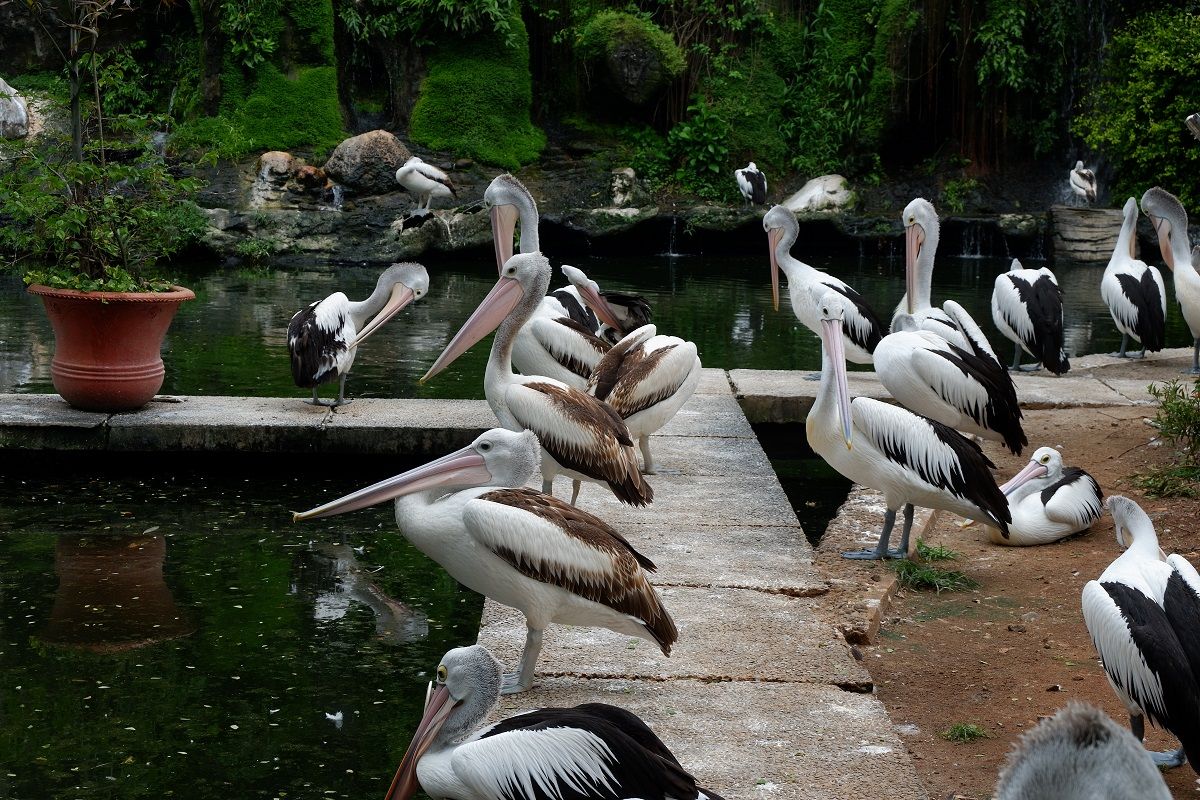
(86, 221)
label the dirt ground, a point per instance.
(1016, 648)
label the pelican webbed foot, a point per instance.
(511, 684)
(881, 551)
(1029, 368)
(1168, 759)
(813, 376)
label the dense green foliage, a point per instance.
(1135, 117)
(407, 19)
(475, 101)
(608, 30)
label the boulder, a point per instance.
(14, 113)
(627, 191)
(274, 170)
(367, 163)
(826, 193)
(309, 177)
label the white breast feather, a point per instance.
(521, 763)
(498, 526)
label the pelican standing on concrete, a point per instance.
(863, 330)
(509, 202)
(581, 437)
(425, 181)
(1049, 501)
(1134, 291)
(1144, 617)
(520, 547)
(911, 459)
(1171, 224)
(752, 184)
(1027, 308)
(324, 337)
(593, 751)
(1083, 182)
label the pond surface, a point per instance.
(232, 339)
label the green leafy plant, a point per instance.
(956, 192)
(1178, 421)
(921, 577)
(699, 145)
(964, 733)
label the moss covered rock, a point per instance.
(637, 57)
(281, 113)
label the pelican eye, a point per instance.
(485, 446)
(1045, 459)
(441, 673)
(511, 270)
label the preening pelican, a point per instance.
(646, 378)
(1134, 291)
(560, 340)
(1079, 754)
(1171, 224)
(1144, 616)
(425, 181)
(1049, 501)
(324, 338)
(911, 459)
(593, 751)
(752, 184)
(629, 311)
(581, 437)
(508, 201)
(520, 547)
(1027, 309)
(805, 284)
(1083, 182)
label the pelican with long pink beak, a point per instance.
(509, 202)
(1049, 501)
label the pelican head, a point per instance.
(920, 236)
(832, 309)
(466, 690)
(1169, 219)
(524, 277)
(403, 283)
(1129, 518)
(589, 290)
(1045, 461)
(498, 457)
(507, 200)
(1015, 266)
(781, 226)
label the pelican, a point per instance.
(752, 184)
(508, 201)
(1083, 182)
(1079, 754)
(1171, 224)
(581, 437)
(1049, 501)
(805, 284)
(1144, 615)
(646, 378)
(324, 337)
(1193, 124)
(520, 547)
(593, 751)
(1134, 291)
(911, 459)
(425, 181)
(628, 311)
(1027, 309)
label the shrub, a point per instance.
(700, 146)
(746, 94)
(1178, 422)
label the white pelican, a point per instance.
(936, 378)
(581, 437)
(1144, 616)
(1049, 501)
(646, 378)
(863, 328)
(1027, 309)
(508, 201)
(1134, 291)
(1171, 224)
(593, 751)
(1079, 754)
(520, 547)
(752, 184)
(911, 459)
(1193, 124)
(1083, 182)
(425, 181)
(324, 337)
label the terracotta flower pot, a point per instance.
(106, 344)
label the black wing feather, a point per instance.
(1151, 326)
(577, 311)
(311, 347)
(877, 331)
(1043, 301)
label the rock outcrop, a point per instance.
(367, 163)
(826, 193)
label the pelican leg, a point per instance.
(1124, 344)
(548, 486)
(575, 486)
(908, 520)
(1016, 358)
(316, 401)
(341, 398)
(517, 682)
(1195, 370)
(880, 550)
(647, 460)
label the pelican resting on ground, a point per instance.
(324, 337)
(593, 751)
(581, 437)
(752, 184)
(425, 181)
(522, 548)
(1083, 182)
(1171, 224)
(1049, 502)
(1144, 617)
(863, 330)
(1027, 309)
(560, 340)
(1134, 291)
(1079, 754)
(911, 459)
(509, 202)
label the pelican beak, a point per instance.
(773, 237)
(401, 296)
(1163, 228)
(596, 302)
(437, 709)
(504, 225)
(498, 304)
(832, 330)
(463, 467)
(1032, 470)
(914, 240)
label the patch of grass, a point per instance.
(934, 552)
(920, 577)
(963, 733)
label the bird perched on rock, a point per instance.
(752, 184)
(425, 181)
(1193, 123)
(1083, 182)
